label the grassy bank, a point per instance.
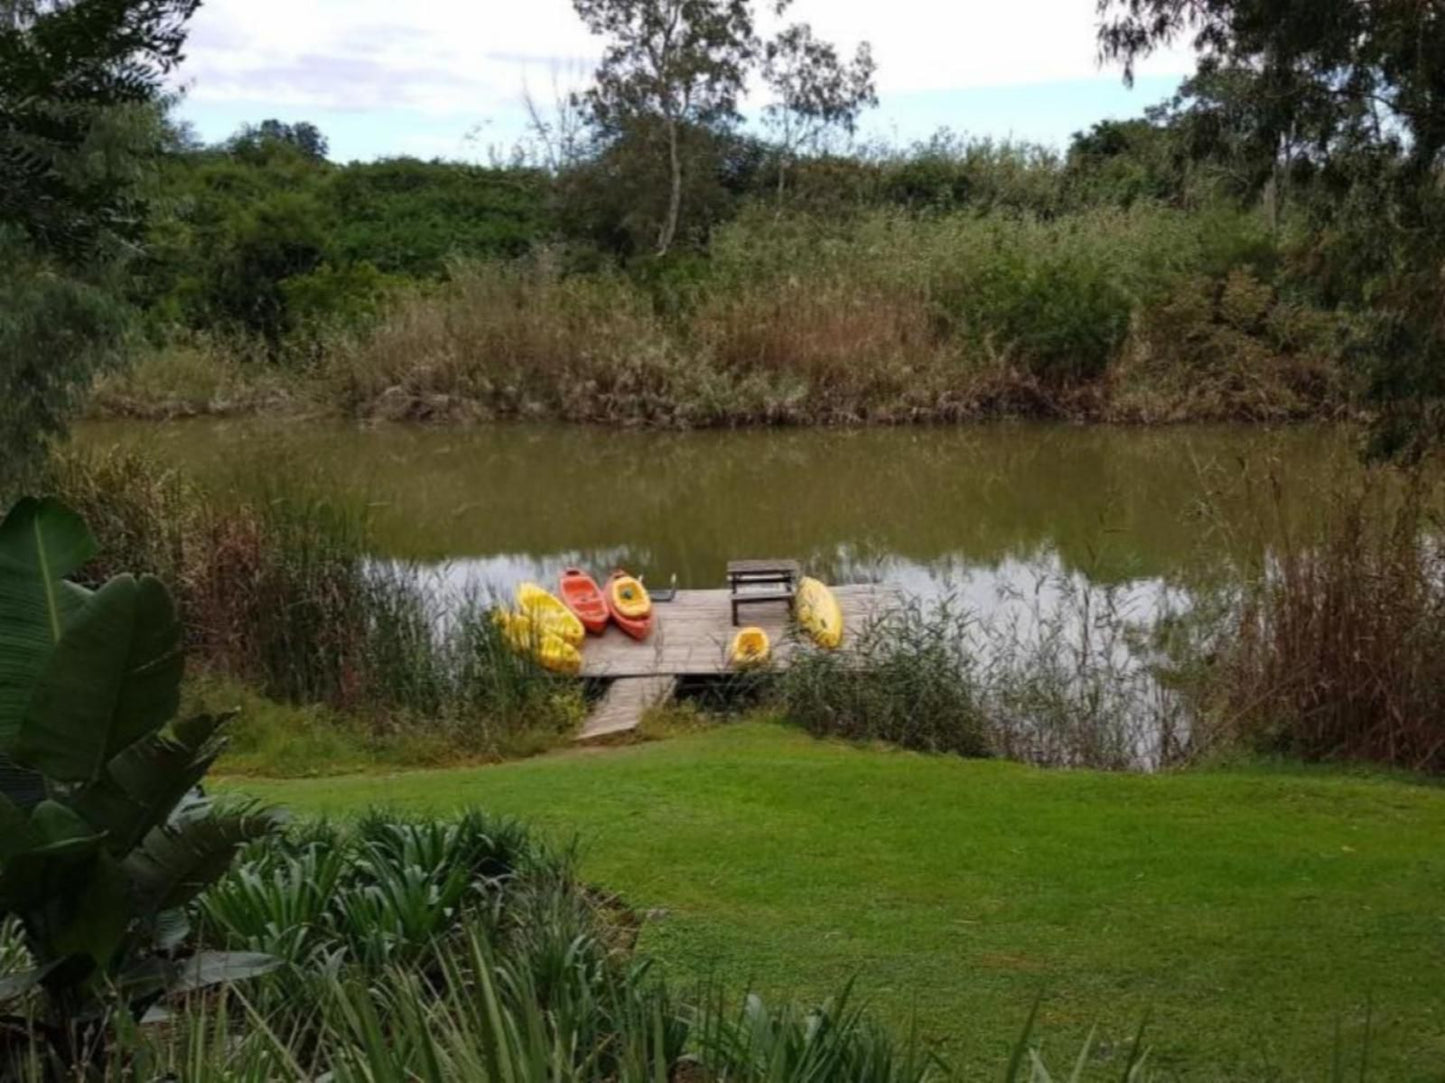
(1248, 911)
(1144, 315)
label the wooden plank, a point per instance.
(764, 567)
(692, 633)
(626, 701)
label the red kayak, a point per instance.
(581, 594)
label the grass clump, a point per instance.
(908, 678)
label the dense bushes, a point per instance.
(1142, 314)
(947, 281)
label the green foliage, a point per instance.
(1336, 107)
(409, 217)
(99, 870)
(1066, 314)
(56, 333)
(907, 678)
(281, 238)
(65, 70)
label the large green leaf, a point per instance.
(214, 967)
(14, 831)
(144, 783)
(41, 542)
(113, 678)
(55, 843)
(73, 896)
(176, 862)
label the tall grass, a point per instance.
(278, 589)
(1071, 681)
(1335, 649)
(908, 678)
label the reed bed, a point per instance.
(1335, 648)
(1063, 677)
(280, 591)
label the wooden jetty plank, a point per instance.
(626, 701)
(692, 633)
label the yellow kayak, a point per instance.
(549, 614)
(551, 651)
(818, 613)
(751, 647)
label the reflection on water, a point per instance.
(921, 507)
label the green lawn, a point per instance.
(1248, 911)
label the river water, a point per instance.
(973, 510)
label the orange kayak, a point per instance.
(581, 594)
(629, 604)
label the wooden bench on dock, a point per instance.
(754, 581)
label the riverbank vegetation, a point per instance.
(342, 656)
(1314, 639)
(1244, 251)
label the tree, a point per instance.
(1328, 73)
(254, 142)
(683, 62)
(80, 87)
(1348, 95)
(65, 65)
(814, 91)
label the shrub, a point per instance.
(907, 678)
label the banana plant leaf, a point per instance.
(112, 679)
(41, 542)
(142, 786)
(177, 861)
(23, 788)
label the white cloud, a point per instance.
(453, 57)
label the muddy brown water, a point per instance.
(920, 506)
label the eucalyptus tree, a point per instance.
(814, 90)
(672, 65)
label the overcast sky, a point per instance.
(445, 77)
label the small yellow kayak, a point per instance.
(818, 613)
(525, 636)
(549, 614)
(751, 647)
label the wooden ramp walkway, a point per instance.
(626, 701)
(690, 638)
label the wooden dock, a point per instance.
(690, 638)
